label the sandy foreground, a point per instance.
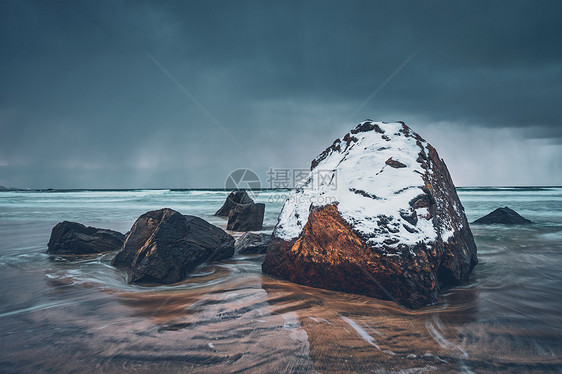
(237, 320)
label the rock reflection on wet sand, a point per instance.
(238, 320)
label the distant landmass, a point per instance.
(3, 188)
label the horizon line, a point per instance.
(15, 189)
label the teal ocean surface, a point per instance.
(66, 315)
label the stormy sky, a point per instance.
(176, 94)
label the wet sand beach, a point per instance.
(76, 315)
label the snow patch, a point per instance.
(367, 190)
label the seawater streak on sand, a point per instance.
(291, 322)
(49, 305)
(433, 327)
(368, 338)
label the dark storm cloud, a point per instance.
(82, 104)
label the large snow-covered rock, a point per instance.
(378, 215)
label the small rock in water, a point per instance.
(251, 243)
(504, 216)
(246, 217)
(72, 238)
(233, 199)
(164, 246)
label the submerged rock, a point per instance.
(379, 215)
(251, 243)
(164, 246)
(233, 199)
(246, 217)
(504, 216)
(72, 238)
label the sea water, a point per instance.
(80, 315)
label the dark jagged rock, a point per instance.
(72, 238)
(396, 233)
(164, 246)
(504, 216)
(243, 214)
(234, 198)
(395, 164)
(246, 217)
(251, 243)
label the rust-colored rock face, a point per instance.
(330, 255)
(394, 227)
